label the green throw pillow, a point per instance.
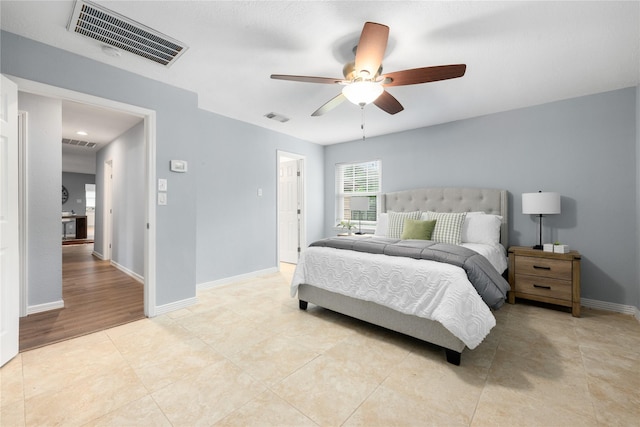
(417, 229)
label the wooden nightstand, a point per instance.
(545, 276)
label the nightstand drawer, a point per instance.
(543, 286)
(544, 267)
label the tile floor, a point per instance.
(245, 355)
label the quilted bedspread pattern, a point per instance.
(487, 281)
(435, 290)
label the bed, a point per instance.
(336, 274)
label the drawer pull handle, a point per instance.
(541, 286)
(538, 267)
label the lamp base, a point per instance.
(537, 247)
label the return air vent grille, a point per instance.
(113, 29)
(78, 143)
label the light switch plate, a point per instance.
(162, 199)
(162, 184)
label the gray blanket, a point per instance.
(488, 282)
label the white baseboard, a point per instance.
(39, 308)
(610, 306)
(226, 281)
(173, 306)
(128, 272)
(97, 255)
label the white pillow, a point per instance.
(465, 226)
(481, 229)
(382, 225)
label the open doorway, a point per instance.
(90, 197)
(291, 208)
(146, 280)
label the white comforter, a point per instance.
(428, 289)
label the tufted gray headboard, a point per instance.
(451, 199)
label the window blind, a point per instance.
(358, 179)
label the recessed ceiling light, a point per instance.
(81, 132)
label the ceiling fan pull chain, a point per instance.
(362, 123)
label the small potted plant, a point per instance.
(347, 225)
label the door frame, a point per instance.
(149, 117)
(9, 229)
(23, 208)
(107, 211)
(302, 199)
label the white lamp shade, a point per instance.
(362, 93)
(541, 203)
(359, 203)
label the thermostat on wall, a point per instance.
(178, 165)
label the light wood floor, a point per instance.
(96, 296)
(245, 355)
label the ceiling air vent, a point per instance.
(113, 29)
(78, 143)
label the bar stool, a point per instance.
(65, 222)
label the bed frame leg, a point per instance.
(453, 357)
(302, 304)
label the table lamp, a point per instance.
(540, 203)
(361, 204)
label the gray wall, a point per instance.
(127, 154)
(583, 148)
(79, 162)
(44, 120)
(75, 185)
(177, 137)
(204, 209)
(237, 230)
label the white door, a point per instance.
(9, 245)
(289, 211)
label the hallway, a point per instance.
(96, 296)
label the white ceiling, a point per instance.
(102, 125)
(518, 54)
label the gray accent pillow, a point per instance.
(448, 227)
(396, 222)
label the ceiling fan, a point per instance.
(363, 80)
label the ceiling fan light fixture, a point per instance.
(362, 92)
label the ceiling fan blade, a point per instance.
(388, 103)
(306, 79)
(424, 75)
(371, 48)
(330, 105)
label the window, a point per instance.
(357, 179)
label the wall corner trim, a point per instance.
(230, 280)
(173, 306)
(610, 306)
(135, 276)
(39, 308)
